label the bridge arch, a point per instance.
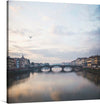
(45, 68)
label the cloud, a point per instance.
(46, 18)
(94, 51)
(62, 30)
(74, 33)
(98, 18)
(57, 54)
(95, 32)
(21, 31)
(16, 31)
(13, 54)
(66, 55)
(15, 8)
(97, 12)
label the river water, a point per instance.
(53, 86)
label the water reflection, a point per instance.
(95, 78)
(30, 87)
(16, 78)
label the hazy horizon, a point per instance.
(53, 32)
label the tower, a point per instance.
(22, 56)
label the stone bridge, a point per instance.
(73, 68)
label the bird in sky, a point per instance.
(30, 37)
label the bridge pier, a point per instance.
(72, 70)
(50, 69)
(62, 69)
(39, 70)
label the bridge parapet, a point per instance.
(62, 66)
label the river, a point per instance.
(53, 86)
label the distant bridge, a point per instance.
(74, 68)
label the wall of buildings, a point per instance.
(11, 63)
(91, 62)
(16, 63)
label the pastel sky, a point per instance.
(53, 32)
